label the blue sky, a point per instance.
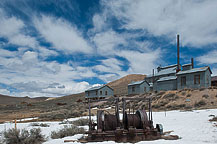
(55, 48)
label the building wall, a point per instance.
(205, 80)
(96, 93)
(150, 79)
(139, 88)
(165, 85)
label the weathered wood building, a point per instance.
(99, 92)
(139, 87)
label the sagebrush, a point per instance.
(81, 122)
(17, 136)
(67, 131)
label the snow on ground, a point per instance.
(192, 126)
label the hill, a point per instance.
(120, 85)
(9, 100)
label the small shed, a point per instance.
(194, 78)
(99, 92)
(138, 87)
(166, 83)
(214, 81)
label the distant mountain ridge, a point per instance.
(8, 100)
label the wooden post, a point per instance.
(15, 123)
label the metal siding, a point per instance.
(207, 79)
(166, 85)
(190, 80)
(103, 89)
(139, 89)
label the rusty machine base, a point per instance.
(121, 135)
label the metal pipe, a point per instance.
(178, 63)
(192, 63)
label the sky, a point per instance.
(60, 47)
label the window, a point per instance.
(196, 79)
(106, 93)
(88, 93)
(183, 81)
(144, 89)
(100, 92)
(96, 92)
(133, 89)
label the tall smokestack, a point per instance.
(178, 52)
(192, 62)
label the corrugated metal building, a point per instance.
(99, 92)
(214, 81)
(194, 78)
(139, 87)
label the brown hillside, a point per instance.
(120, 85)
(8, 100)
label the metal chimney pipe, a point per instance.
(192, 62)
(178, 63)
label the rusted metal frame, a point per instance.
(90, 123)
(117, 112)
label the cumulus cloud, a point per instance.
(106, 42)
(194, 20)
(62, 35)
(209, 58)
(141, 62)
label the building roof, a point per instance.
(167, 78)
(201, 69)
(97, 87)
(167, 71)
(137, 82)
(214, 78)
(169, 66)
(186, 64)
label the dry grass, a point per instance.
(67, 131)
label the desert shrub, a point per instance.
(155, 106)
(81, 122)
(205, 96)
(171, 96)
(201, 89)
(183, 93)
(161, 93)
(188, 107)
(214, 119)
(200, 103)
(16, 136)
(41, 124)
(189, 95)
(67, 131)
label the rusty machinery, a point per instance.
(135, 126)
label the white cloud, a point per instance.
(62, 35)
(142, 63)
(209, 58)
(34, 77)
(194, 20)
(107, 42)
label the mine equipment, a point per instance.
(134, 126)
